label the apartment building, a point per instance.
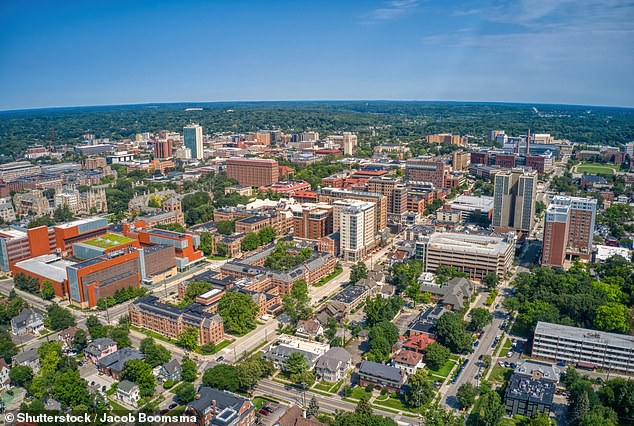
(18, 169)
(514, 200)
(148, 312)
(445, 138)
(586, 348)
(460, 160)
(312, 221)
(253, 171)
(162, 149)
(193, 139)
(476, 255)
(354, 219)
(395, 191)
(568, 229)
(330, 195)
(427, 169)
(288, 188)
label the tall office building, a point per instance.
(253, 171)
(355, 222)
(349, 143)
(568, 229)
(193, 139)
(163, 149)
(427, 169)
(514, 200)
(394, 190)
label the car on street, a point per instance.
(220, 359)
(172, 406)
(263, 412)
(477, 343)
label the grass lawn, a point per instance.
(328, 277)
(391, 401)
(358, 392)
(218, 347)
(216, 257)
(500, 374)
(259, 402)
(328, 386)
(505, 348)
(173, 389)
(176, 411)
(118, 407)
(151, 334)
(108, 241)
(596, 168)
(444, 370)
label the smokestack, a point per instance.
(214, 405)
(528, 143)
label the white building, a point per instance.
(606, 252)
(128, 393)
(356, 224)
(349, 143)
(7, 213)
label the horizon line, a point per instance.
(309, 101)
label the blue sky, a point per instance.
(85, 52)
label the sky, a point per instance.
(107, 52)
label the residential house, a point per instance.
(112, 365)
(418, 343)
(99, 348)
(454, 294)
(285, 345)
(407, 361)
(28, 358)
(5, 382)
(333, 365)
(66, 338)
(128, 393)
(222, 408)
(168, 371)
(384, 376)
(309, 329)
(295, 416)
(28, 321)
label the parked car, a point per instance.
(172, 406)
(263, 412)
(477, 343)
(220, 359)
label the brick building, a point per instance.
(253, 171)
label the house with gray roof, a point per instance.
(221, 408)
(381, 375)
(28, 321)
(28, 358)
(168, 371)
(112, 365)
(128, 393)
(538, 370)
(100, 348)
(454, 293)
(333, 365)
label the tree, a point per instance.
(188, 339)
(539, 419)
(196, 288)
(154, 354)
(379, 309)
(358, 271)
(206, 243)
(59, 318)
(486, 361)
(295, 366)
(442, 417)
(189, 372)
(8, 349)
(238, 312)
(480, 318)
(96, 328)
(618, 394)
(405, 274)
(613, 317)
(80, 341)
(599, 416)
(579, 407)
(381, 339)
(296, 303)
(451, 333)
(137, 371)
(222, 250)
(186, 393)
(48, 291)
(121, 335)
(343, 418)
(21, 375)
(225, 227)
(421, 390)
(490, 281)
(331, 328)
(267, 235)
(70, 389)
(222, 377)
(436, 355)
(313, 408)
(363, 407)
(446, 272)
(466, 395)
(251, 241)
(208, 348)
(491, 409)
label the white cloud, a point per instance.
(390, 11)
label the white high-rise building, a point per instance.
(355, 221)
(193, 139)
(349, 143)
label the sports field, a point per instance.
(596, 168)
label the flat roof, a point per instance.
(210, 293)
(469, 202)
(48, 266)
(78, 222)
(584, 334)
(108, 241)
(12, 233)
(490, 245)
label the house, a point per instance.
(222, 408)
(333, 365)
(425, 323)
(387, 290)
(285, 345)
(384, 376)
(52, 405)
(454, 293)
(28, 358)
(407, 361)
(309, 329)
(538, 370)
(128, 393)
(66, 338)
(5, 382)
(28, 321)
(295, 416)
(331, 309)
(100, 348)
(168, 371)
(112, 365)
(418, 343)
